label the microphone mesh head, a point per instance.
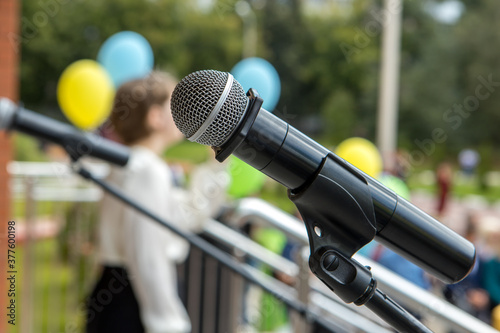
(195, 97)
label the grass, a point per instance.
(43, 208)
(460, 188)
(56, 304)
(188, 152)
(26, 148)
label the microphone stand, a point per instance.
(339, 228)
(339, 217)
(206, 247)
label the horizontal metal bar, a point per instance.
(228, 236)
(54, 169)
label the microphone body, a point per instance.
(74, 141)
(330, 193)
(291, 158)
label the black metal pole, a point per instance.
(394, 314)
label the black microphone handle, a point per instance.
(293, 159)
(75, 142)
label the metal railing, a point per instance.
(214, 296)
(413, 297)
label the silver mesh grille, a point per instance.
(194, 98)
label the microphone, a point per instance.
(341, 202)
(74, 141)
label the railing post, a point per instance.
(194, 288)
(300, 324)
(27, 297)
(237, 289)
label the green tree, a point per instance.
(328, 58)
(183, 38)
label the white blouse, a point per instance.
(147, 250)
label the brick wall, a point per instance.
(9, 84)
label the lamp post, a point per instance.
(245, 11)
(387, 123)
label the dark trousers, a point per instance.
(112, 306)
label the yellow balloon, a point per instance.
(362, 154)
(85, 94)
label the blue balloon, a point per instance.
(259, 74)
(126, 56)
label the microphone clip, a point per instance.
(339, 217)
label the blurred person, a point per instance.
(469, 294)
(402, 167)
(468, 160)
(137, 290)
(490, 231)
(401, 266)
(444, 180)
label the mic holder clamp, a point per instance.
(75, 148)
(337, 227)
(346, 277)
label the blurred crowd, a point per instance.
(478, 293)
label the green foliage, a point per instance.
(323, 57)
(55, 302)
(339, 116)
(27, 149)
(183, 38)
(328, 58)
(477, 57)
(189, 152)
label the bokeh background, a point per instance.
(327, 54)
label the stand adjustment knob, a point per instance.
(331, 262)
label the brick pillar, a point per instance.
(9, 83)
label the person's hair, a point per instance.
(133, 101)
